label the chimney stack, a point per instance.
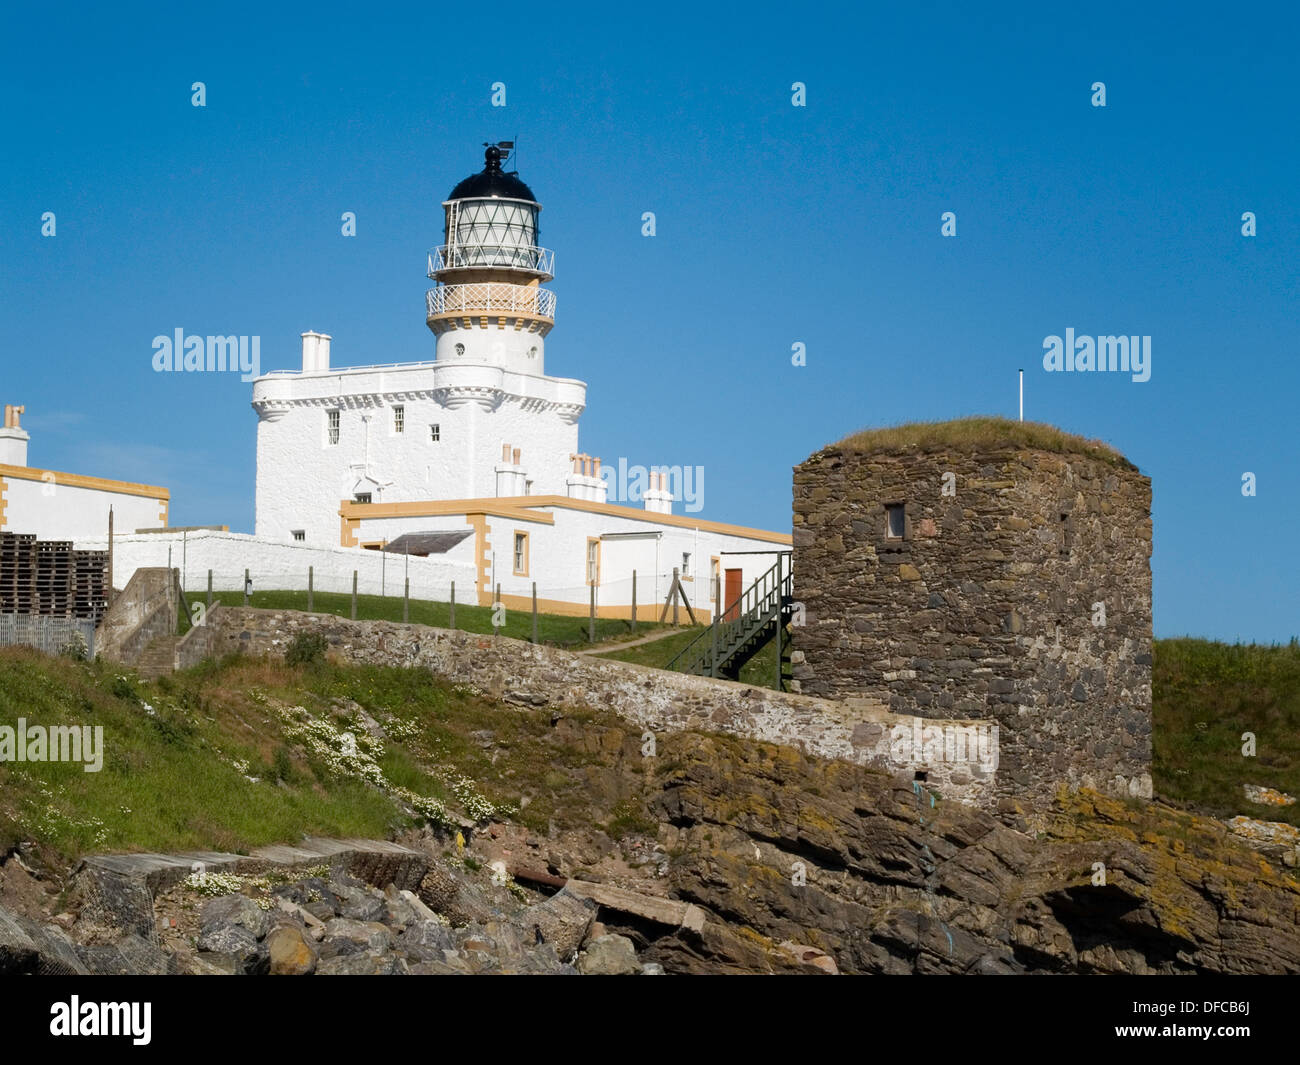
(13, 438)
(315, 352)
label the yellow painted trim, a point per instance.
(586, 564)
(4, 487)
(438, 508)
(348, 531)
(582, 610)
(482, 546)
(715, 576)
(76, 480)
(162, 513)
(527, 549)
(518, 508)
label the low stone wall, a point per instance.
(860, 730)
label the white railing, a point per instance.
(484, 254)
(491, 298)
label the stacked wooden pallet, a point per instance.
(47, 577)
(17, 573)
(89, 584)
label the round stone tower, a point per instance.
(985, 569)
(489, 308)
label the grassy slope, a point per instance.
(1205, 696)
(180, 752)
(759, 670)
(177, 777)
(569, 632)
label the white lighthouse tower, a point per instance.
(489, 307)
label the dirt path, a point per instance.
(604, 648)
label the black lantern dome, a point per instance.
(492, 182)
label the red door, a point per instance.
(735, 586)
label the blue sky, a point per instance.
(775, 225)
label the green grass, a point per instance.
(179, 752)
(552, 629)
(1205, 696)
(980, 433)
(759, 670)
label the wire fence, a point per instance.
(53, 635)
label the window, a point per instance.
(521, 554)
(460, 349)
(593, 561)
(435, 433)
(399, 419)
(300, 534)
(333, 426)
(361, 497)
(715, 573)
(686, 565)
(1067, 534)
(528, 488)
(895, 521)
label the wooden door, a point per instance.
(735, 586)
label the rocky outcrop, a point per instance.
(885, 879)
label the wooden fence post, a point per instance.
(354, 595)
(534, 611)
(311, 588)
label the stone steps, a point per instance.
(159, 657)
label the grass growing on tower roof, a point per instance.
(981, 433)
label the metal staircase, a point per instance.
(735, 636)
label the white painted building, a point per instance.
(53, 505)
(480, 440)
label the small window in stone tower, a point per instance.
(895, 521)
(332, 425)
(399, 419)
(435, 433)
(1067, 534)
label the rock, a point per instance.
(803, 954)
(363, 907)
(236, 910)
(425, 941)
(17, 951)
(609, 955)
(232, 939)
(55, 953)
(289, 952)
(214, 965)
(361, 965)
(652, 968)
(313, 893)
(398, 912)
(346, 936)
(455, 896)
(113, 902)
(563, 920)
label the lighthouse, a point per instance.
(488, 307)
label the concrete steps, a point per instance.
(158, 657)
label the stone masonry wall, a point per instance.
(987, 608)
(859, 730)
